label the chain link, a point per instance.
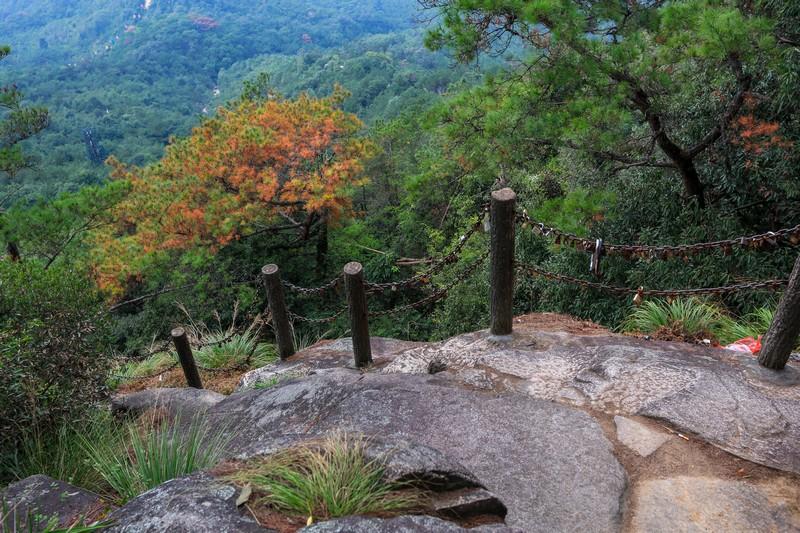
(424, 277)
(325, 320)
(313, 291)
(439, 294)
(787, 236)
(771, 284)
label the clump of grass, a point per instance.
(326, 479)
(133, 460)
(61, 455)
(687, 318)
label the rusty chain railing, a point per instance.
(503, 221)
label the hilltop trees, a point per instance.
(262, 167)
(630, 85)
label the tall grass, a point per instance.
(133, 461)
(327, 479)
(60, 455)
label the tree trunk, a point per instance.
(322, 246)
(13, 252)
(782, 335)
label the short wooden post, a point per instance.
(502, 270)
(357, 303)
(186, 358)
(277, 308)
(782, 335)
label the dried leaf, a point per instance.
(244, 496)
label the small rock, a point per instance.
(44, 498)
(186, 402)
(638, 437)
(469, 502)
(708, 505)
(194, 504)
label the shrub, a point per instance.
(132, 462)
(54, 353)
(326, 479)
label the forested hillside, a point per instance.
(175, 61)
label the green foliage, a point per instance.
(12, 522)
(54, 353)
(326, 479)
(17, 123)
(132, 463)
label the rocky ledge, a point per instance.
(550, 431)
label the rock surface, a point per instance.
(43, 498)
(705, 505)
(186, 402)
(323, 355)
(513, 444)
(401, 524)
(638, 437)
(194, 504)
(722, 396)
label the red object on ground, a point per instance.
(748, 344)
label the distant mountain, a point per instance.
(134, 72)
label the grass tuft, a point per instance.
(687, 318)
(326, 479)
(132, 460)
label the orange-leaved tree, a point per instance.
(260, 166)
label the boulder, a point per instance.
(708, 505)
(550, 464)
(722, 396)
(42, 499)
(327, 354)
(193, 504)
(400, 524)
(187, 402)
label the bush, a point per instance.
(54, 353)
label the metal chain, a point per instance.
(315, 291)
(326, 320)
(424, 277)
(771, 284)
(438, 294)
(790, 236)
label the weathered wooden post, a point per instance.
(782, 334)
(186, 358)
(502, 270)
(357, 303)
(277, 308)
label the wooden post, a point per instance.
(186, 358)
(502, 281)
(357, 303)
(277, 307)
(782, 335)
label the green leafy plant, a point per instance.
(327, 479)
(54, 352)
(132, 462)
